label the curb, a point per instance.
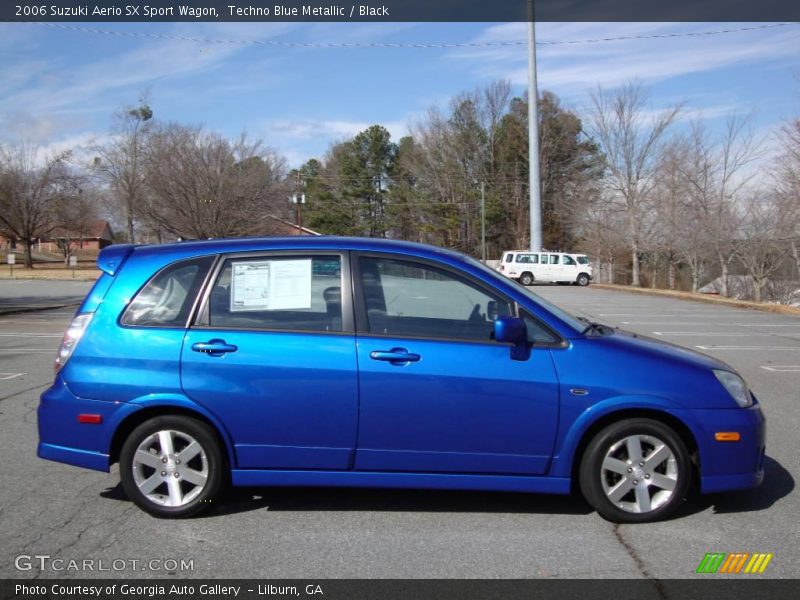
(27, 309)
(708, 299)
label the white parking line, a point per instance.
(748, 347)
(31, 335)
(28, 350)
(767, 324)
(726, 333)
(710, 322)
(714, 315)
(782, 369)
(637, 315)
(4, 376)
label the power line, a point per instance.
(397, 45)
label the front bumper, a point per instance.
(730, 465)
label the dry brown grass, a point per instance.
(81, 273)
(709, 298)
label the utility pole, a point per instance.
(533, 139)
(483, 222)
(298, 199)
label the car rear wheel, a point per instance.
(172, 466)
(582, 280)
(635, 471)
(526, 279)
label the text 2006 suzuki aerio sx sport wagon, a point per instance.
(331, 361)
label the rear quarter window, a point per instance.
(167, 299)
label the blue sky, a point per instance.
(59, 87)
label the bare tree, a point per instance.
(31, 189)
(629, 142)
(201, 185)
(603, 236)
(119, 162)
(787, 177)
(716, 176)
(75, 216)
(761, 251)
(670, 212)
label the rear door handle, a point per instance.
(214, 347)
(396, 356)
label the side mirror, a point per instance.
(512, 330)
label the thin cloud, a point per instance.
(569, 67)
(308, 128)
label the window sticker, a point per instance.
(271, 285)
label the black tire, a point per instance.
(582, 280)
(207, 462)
(641, 486)
(526, 279)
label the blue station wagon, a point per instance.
(326, 361)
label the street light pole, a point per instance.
(533, 141)
(483, 221)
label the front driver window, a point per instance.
(411, 299)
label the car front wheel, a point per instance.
(583, 279)
(172, 466)
(635, 471)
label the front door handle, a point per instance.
(214, 347)
(396, 356)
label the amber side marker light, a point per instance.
(727, 436)
(90, 419)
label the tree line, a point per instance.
(654, 197)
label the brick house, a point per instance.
(96, 236)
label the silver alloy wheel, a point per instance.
(639, 473)
(170, 468)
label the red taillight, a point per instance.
(71, 338)
(90, 419)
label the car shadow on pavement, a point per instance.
(778, 483)
(244, 499)
(395, 500)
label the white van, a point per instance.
(551, 267)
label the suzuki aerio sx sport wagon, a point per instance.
(325, 361)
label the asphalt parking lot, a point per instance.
(69, 513)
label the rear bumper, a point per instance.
(63, 439)
(73, 456)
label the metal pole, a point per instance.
(533, 142)
(483, 221)
(298, 198)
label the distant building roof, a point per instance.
(94, 230)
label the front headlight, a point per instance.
(736, 387)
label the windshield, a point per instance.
(566, 317)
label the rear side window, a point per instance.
(295, 293)
(166, 300)
(509, 257)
